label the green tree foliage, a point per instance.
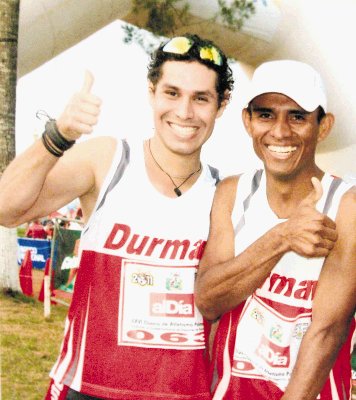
(235, 15)
(164, 17)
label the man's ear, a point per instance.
(325, 126)
(224, 103)
(246, 119)
(151, 91)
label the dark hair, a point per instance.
(224, 80)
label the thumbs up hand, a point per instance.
(309, 232)
(81, 113)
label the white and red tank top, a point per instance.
(258, 342)
(133, 330)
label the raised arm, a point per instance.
(37, 182)
(224, 281)
(333, 309)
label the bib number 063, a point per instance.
(169, 337)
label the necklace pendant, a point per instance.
(177, 192)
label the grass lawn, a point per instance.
(29, 346)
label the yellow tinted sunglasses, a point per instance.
(181, 45)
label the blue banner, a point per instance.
(40, 251)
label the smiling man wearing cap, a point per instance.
(279, 267)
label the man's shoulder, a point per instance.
(226, 192)
(229, 183)
(100, 143)
(237, 184)
(95, 153)
(348, 201)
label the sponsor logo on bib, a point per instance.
(274, 355)
(171, 305)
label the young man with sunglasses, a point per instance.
(133, 330)
(277, 268)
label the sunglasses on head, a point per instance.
(181, 45)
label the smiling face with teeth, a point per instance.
(185, 107)
(284, 135)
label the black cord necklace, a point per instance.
(176, 189)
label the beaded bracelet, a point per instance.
(54, 141)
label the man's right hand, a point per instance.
(81, 113)
(309, 232)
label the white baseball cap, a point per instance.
(294, 79)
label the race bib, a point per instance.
(157, 307)
(267, 342)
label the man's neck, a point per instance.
(171, 173)
(284, 195)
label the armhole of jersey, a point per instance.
(119, 172)
(241, 187)
(334, 189)
(215, 174)
(247, 186)
(119, 153)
